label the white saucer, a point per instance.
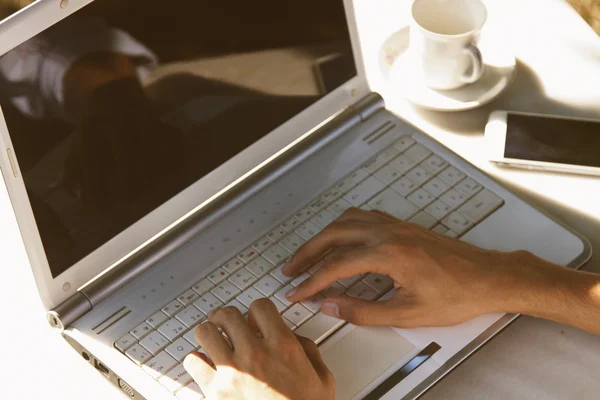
(500, 68)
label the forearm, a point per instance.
(558, 294)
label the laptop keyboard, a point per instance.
(406, 180)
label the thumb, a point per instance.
(360, 312)
(195, 364)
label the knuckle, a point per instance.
(227, 313)
(204, 329)
(262, 304)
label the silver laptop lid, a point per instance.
(116, 123)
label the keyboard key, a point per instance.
(233, 265)
(347, 282)
(159, 365)
(172, 308)
(436, 187)
(339, 207)
(268, 285)
(362, 291)
(404, 143)
(188, 297)
(155, 342)
(380, 283)
(404, 186)
(451, 234)
(457, 223)
(249, 296)
(141, 331)
(277, 274)
(346, 184)
(157, 319)
(262, 244)
(305, 214)
(319, 327)
(290, 225)
(297, 314)
(308, 230)
(175, 379)
(363, 192)
(243, 279)
(454, 198)
(179, 349)
(421, 198)
(125, 342)
(289, 324)
(402, 164)
(482, 205)
(191, 316)
(138, 354)
(390, 153)
(247, 255)
(280, 295)
(388, 175)
(226, 291)
(452, 176)
(392, 203)
(238, 305)
(203, 286)
(276, 254)
(172, 329)
(418, 152)
(208, 303)
(319, 204)
(435, 163)
(469, 186)
(359, 175)
(218, 276)
(259, 267)
(333, 290)
(276, 234)
(438, 209)
(189, 336)
(323, 219)
(299, 279)
(190, 392)
(313, 303)
(440, 229)
(419, 175)
(423, 219)
(292, 242)
(279, 305)
(374, 164)
(332, 194)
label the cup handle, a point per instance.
(476, 62)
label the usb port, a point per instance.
(101, 367)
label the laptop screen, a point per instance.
(124, 104)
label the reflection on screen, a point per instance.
(563, 141)
(9, 7)
(126, 103)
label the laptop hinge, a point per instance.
(184, 231)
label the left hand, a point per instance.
(263, 359)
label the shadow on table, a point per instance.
(473, 122)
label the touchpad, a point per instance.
(361, 356)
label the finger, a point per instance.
(357, 215)
(338, 234)
(264, 317)
(233, 323)
(199, 369)
(212, 341)
(362, 312)
(314, 355)
(343, 265)
(383, 214)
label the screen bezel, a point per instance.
(495, 134)
(53, 291)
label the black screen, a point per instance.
(124, 104)
(554, 140)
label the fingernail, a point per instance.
(291, 293)
(330, 308)
(187, 361)
(211, 314)
(285, 267)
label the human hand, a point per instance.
(439, 281)
(263, 359)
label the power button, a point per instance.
(11, 161)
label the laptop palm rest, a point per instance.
(362, 356)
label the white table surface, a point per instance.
(559, 63)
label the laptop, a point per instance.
(184, 184)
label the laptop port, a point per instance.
(85, 356)
(126, 388)
(101, 367)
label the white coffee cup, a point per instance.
(443, 41)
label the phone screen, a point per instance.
(554, 140)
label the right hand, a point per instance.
(439, 281)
